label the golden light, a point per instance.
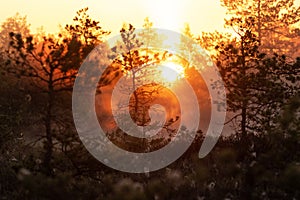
(167, 14)
(171, 71)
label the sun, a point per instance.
(171, 71)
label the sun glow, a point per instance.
(171, 71)
(167, 14)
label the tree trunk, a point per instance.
(244, 94)
(48, 146)
(259, 20)
(244, 118)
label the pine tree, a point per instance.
(276, 23)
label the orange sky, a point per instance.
(202, 15)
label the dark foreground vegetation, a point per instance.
(42, 157)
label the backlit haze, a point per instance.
(204, 15)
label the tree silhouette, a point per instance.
(276, 23)
(86, 30)
(137, 65)
(51, 66)
(149, 37)
(261, 161)
(257, 86)
(17, 24)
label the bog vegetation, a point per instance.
(42, 156)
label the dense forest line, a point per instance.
(42, 156)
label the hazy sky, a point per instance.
(202, 15)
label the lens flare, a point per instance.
(94, 137)
(171, 72)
